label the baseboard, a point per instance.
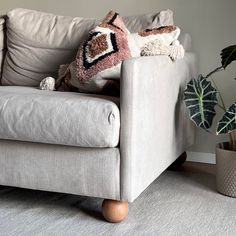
(201, 157)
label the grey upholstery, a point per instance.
(141, 22)
(30, 114)
(155, 128)
(150, 124)
(154, 132)
(2, 43)
(83, 171)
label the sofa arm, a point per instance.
(2, 43)
(155, 128)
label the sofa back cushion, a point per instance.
(38, 42)
(141, 22)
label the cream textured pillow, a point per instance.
(174, 51)
(98, 58)
(164, 34)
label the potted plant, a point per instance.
(201, 96)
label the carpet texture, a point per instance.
(177, 203)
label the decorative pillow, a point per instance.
(106, 47)
(98, 58)
(174, 51)
(164, 34)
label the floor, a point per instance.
(181, 202)
(195, 167)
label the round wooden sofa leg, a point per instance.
(114, 211)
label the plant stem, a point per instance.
(221, 107)
(232, 143)
(232, 135)
(214, 71)
(221, 98)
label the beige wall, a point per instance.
(210, 22)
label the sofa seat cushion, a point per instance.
(67, 118)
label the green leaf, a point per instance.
(228, 122)
(228, 55)
(200, 98)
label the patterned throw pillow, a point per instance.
(98, 58)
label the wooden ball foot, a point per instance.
(114, 211)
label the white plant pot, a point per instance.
(225, 170)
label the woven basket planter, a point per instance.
(225, 170)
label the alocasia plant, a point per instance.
(202, 95)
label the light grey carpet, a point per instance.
(177, 203)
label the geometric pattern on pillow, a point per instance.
(160, 30)
(106, 47)
(92, 54)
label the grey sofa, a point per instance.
(92, 145)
